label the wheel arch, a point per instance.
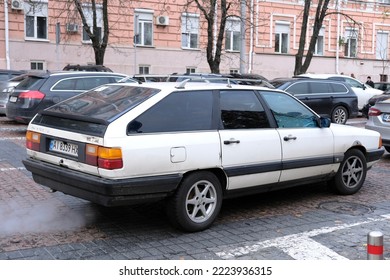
(219, 173)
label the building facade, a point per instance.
(163, 37)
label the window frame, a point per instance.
(88, 13)
(189, 30)
(282, 37)
(142, 68)
(37, 62)
(351, 43)
(233, 35)
(144, 19)
(381, 51)
(36, 10)
(320, 44)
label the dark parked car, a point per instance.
(382, 85)
(334, 99)
(6, 75)
(88, 68)
(5, 88)
(39, 91)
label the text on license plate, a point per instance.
(63, 147)
(386, 117)
(13, 99)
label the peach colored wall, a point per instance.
(167, 56)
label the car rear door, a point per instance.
(251, 149)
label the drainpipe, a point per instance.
(338, 36)
(6, 34)
(250, 62)
(243, 41)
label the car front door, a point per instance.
(251, 149)
(307, 149)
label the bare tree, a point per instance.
(210, 10)
(321, 11)
(99, 43)
(302, 65)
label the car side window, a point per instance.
(180, 111)
(288, 112)
(320, 87)
(339, 88)
(354, 83)
(65, 84)
(87, 83)
(299, 88)
(242, 110)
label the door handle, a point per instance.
(290, 137)
(231, 141)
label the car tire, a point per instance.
(387, 148)
(196, 203)
(351, 174)
(340, 115)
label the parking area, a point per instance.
(39, 224)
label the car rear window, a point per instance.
(90, 112)
(31, 83)
(105, 103)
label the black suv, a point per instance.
(329, 98)
(39, 91)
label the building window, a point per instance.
(282, 31)
(350, 47)
(35, 20)
(144, 69)
(190, 70)
(88, 13)
(382, 45)
(36, 65)
(319, 48)
(143, 28)
(189, 31)
(233, 35)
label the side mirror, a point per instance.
(324, 122)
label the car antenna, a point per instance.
(229, 85)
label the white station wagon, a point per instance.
(192, 145)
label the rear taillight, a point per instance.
(103, 157)
(32, 94)
(33, 140)
(374, 112)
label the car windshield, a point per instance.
(104, 103)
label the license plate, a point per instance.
(63, 147)
(386, 117)
(13, 99)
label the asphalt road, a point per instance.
(304, 223)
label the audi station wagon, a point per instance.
(191, 145)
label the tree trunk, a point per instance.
(322, 7)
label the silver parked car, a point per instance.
(379, 120)
(5, 88)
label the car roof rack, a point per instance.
(184, 82)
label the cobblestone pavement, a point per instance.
(307, 222)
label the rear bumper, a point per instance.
(102, 191)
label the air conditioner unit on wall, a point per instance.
(72, 27)
(162, 20)
(17, 5)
